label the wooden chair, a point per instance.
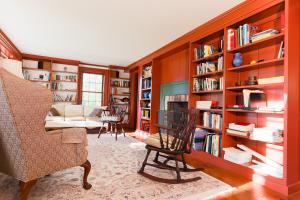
(174, 139)
(114, 120)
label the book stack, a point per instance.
(267, 134)
(240, 129)
(204, 50)
(57, 77)
(118, 83)
(208, 84)
(212, 144)
(275, 79)
(263, 34)
(212, 120)
(199, 139)
(240, 36)
(237, 156)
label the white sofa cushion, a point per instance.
(74, 119)
(73, 111)
(55, 118)
(60, 108)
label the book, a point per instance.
(281, 50)
(238, 133)
(237, 156)
(212, 120)
(212, 144)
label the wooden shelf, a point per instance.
(145, 89)
(254, 111)
(263, 86)
(207, 58)
(113, 86)
(36, 69)
(208, 74)
(207, 92)
(211, 110)
(64, 81)
(147, 77)
(249, 138)
(120, 94)
(66, 72)
(143, 108)
(210, 129)
(275, 38)
(145, 118)
(63, 90)
(266, 63)
(124, 79)
(41, 81)
(145, 99)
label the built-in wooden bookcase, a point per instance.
(120, 90)
(59, 78)
(146, 96)
(207, 67)
(260, 59)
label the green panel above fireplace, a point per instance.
(174, 88)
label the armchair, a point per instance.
(27, 151)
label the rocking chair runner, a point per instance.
(171, 142)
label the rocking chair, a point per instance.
(174, 139)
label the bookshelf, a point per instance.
(145, 98)
(61, 79)
(119, 89)
(260, 59)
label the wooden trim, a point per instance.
(53, 59)
(8, 49)
(106, 87)
(95, 65)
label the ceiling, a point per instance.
(116, 32)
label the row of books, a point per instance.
(212, 120)
(213, 144)
(209, 142)
(146, 83)
(57, 77)
(240, 36)
(210, 66)
(120, 83)
(208, 84)
(204, 50)
(60, 86)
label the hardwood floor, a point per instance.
(245, 189)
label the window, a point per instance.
(92, 89)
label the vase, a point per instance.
(237, 60)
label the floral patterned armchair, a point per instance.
(27, 151)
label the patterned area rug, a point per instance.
(114, 177)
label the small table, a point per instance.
(112, 122)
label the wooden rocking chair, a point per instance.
(174, 139)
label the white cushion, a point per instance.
(54, 118)
(13, 66)
(73, 111)
(74, 118)
(60, 109)
(87, 110)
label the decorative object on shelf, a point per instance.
(253, 99)
(147, 72)
(252, 80)
(237, 59)
(146, 95)
(253, 62)
(125, 99)
(206, 104)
